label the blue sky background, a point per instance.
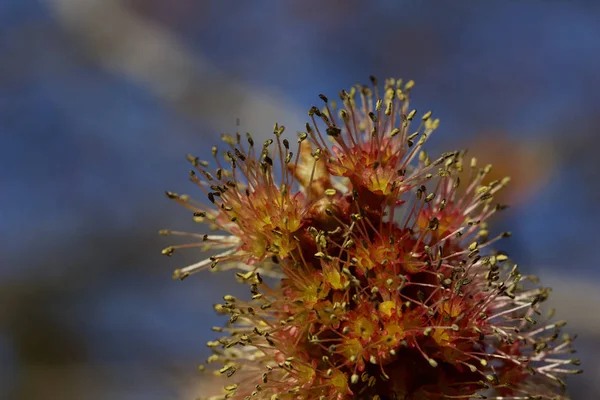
(87, 149)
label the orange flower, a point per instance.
(387, 285)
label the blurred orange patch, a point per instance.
(529, 164)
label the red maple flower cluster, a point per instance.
(382, 281)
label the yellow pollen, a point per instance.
(452, 308)
(387, 308)
(364, 328)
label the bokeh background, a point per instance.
(101, 99)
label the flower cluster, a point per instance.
(380, 281)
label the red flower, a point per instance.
(387, 286)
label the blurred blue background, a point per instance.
(101, 99)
